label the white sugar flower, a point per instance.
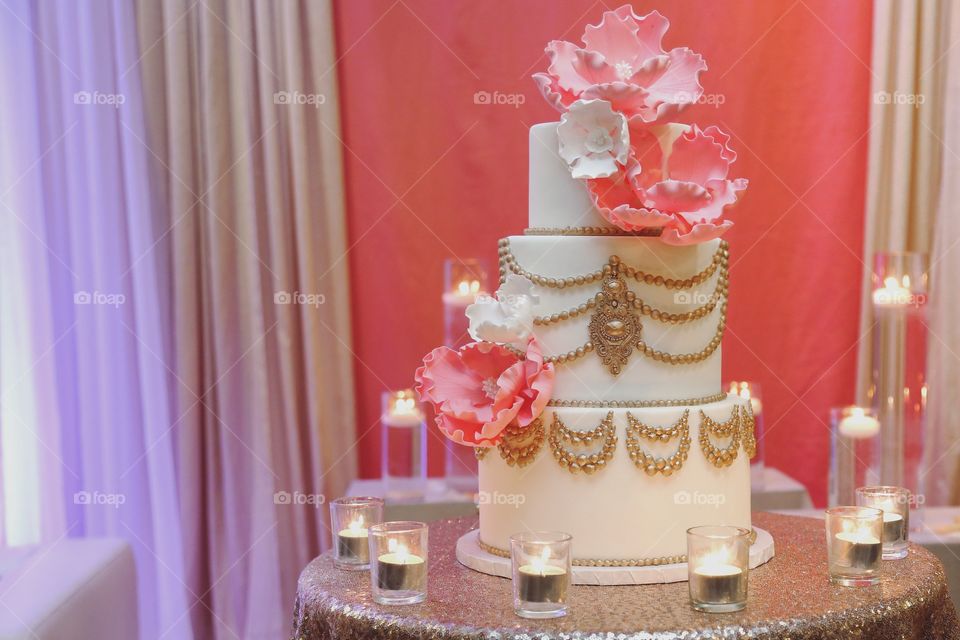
(506, 318)
(594, 139)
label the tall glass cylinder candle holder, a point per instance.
(854, 452)
(751, 391)
(895, 504)
(898, 389)
(464, 281)
(404, 452)
(350, 520)
(541, 569)
(718, 567)
(398, 567)
(854, 545)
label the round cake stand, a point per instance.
(470, 554)
(789, 597)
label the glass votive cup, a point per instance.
(718, 567)
(895, 504)
(398, 567)
(854, 545)
(350, 519)
(541, 570)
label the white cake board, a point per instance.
(471, 555)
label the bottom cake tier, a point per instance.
(626, 483)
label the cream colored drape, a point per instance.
(912, 193)
(242, 111)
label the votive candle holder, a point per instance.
(398, 567)
(718, 567)
(541, 570)
(350, 520)
(854, 546)
(895, 504)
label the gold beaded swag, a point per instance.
(615, 328)
(520, 447)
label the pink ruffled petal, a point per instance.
(723, 139)
(628, 99)
(487, 359)
(698, 157)
(593, 67)
(615, 38)
(443, 375)
(539, 383)
(563, 55)
(674, 196)
(649, 29)
(678, 86)
(700, 232)
(723, 194)
(552, 93)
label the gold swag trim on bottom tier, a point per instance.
(748, 425)
(650, 464)
(630, 562)
(720, 456)
(518, 445)
(586, 462)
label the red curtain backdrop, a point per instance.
(432, 174)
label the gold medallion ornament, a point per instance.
(748, 425)
(614, 326)
(650, 464)
(720, 456)
(587, 462)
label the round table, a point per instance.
(789, 597)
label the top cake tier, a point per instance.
(556, 198)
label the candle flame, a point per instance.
(539, 563)
(356, 525)
(715, 558)
(404, 405)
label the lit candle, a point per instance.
(352, 543)
(743, 390)
(715, 581)
(463, 293)
(400, 570)
(858, 424)
(893, 293)
(403, 410)
(542, 582)
(857, 549)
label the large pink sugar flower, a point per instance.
(482, 388)
(623, 61)
(675, 179)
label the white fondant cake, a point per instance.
(618, 513)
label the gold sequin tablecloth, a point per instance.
(789, 597)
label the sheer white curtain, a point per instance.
(86, 395)
(912, 197)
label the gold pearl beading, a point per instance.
(587, 462)
(508, 262)
(652, 232)
(720, 456)
(652, 465)
(636, 404)
(656, 561)
(614, 308)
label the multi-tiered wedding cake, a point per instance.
(592, 392)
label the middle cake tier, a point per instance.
(654, 332)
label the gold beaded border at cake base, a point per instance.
(648, 463)
(589, 463)
(655, 561)
(590, 231)
(720, 456)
